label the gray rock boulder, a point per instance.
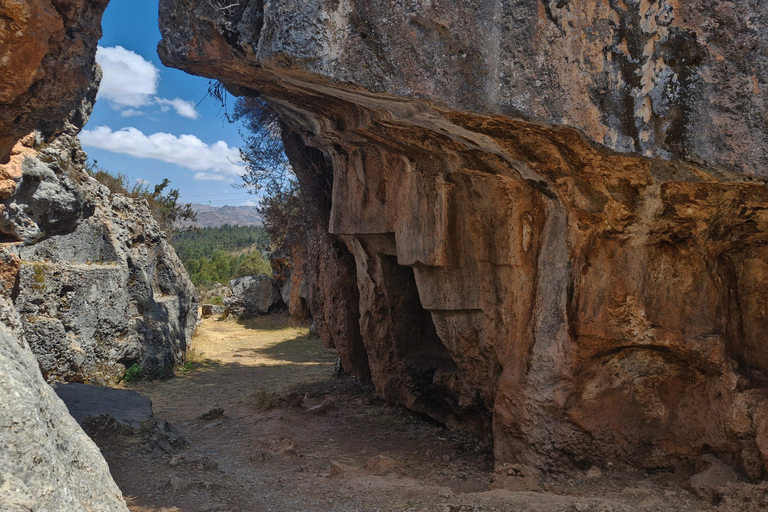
(84, 401)
(47, 463)
(212, 309)
(253, 296)
(96, 283)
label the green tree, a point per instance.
(267, 171)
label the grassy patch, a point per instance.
(39, 272)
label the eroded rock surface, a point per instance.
(556, 211)
(253, 296)
(95, 281)
(47, 64)
(47, 462)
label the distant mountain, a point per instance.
(214, 216)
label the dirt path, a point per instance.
(329, 444)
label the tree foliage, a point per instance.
(164, 207)
(269, 172)
(217, 255)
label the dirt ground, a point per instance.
(328, 444)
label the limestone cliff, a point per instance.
(552, 214)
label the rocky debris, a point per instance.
(213, 414)
(97, 285)
(47, 463)
(125, 406)
(323, 407)
(743, 497)
(714, 475)
(48, 66)
(382, 465)
(151, 435)
(569, 257)
(209, 310)
(516, 477)
(253, 296)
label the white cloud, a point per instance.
(182, 107)
(130, 112)
(249, 202)
(216, 161)
(129, 80)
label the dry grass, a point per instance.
(248, 364)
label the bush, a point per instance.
(164, 207)
(134, 374)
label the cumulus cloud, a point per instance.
(249, 202)
(217, 161)
(182, 107)
(130, 82)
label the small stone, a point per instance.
(594, 472)
(178, 484)
(650, 502)
(382, 465)
(212, 414)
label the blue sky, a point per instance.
(151, 122)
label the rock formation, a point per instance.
(47, 463)
(253, 296)
(47, 64)
(288, 273)
(556, 210)
(97, 285)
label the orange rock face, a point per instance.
(10, 173)
(586, 285)
(47, 66)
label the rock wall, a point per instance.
(47, 64)
(556, 210)
(47, 463)
(96, 284)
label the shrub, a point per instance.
(134, 374)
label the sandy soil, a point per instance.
(329, 444)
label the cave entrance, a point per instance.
(414, 338)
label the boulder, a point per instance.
(47, 463)
(84, 401)
(212, 309)
(253, 296)
(543, 221)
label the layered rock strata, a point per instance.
(556, 211)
